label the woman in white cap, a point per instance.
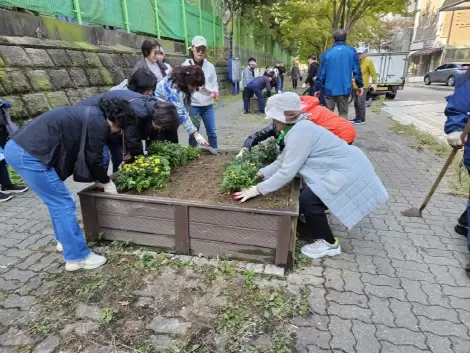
(338, 177)
(201, 101)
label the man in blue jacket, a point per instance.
(338, 66)
(457, 110)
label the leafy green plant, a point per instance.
(176, 155)
(14, 177)
(108, 315)
(240, 173)
(144, 173)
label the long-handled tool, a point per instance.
(417, 212)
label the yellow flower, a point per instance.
(157, 160)
(155, 170)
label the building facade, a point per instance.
(438, 36)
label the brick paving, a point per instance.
(427, 116)
(399, 285)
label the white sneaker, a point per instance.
(59, 247)
(321, 248)
(91, 262)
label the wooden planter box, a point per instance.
(191, 227)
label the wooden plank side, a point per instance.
(182, 229)
(234, 235)
(295, 193)
(232, 251)
(161, 241)
(132, 208)
(137, 224)
(204, 204)
(283, 240)
(232, 218)
(89, 217)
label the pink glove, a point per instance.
(215, 95)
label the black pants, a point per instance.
(316, 223)
(294, 83)
(4, 176)
(463, 220)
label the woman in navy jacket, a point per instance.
(45, 152)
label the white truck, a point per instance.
(391, 72)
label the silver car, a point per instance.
(446, 73)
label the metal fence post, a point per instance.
(213, 28)
(222, 40)
(126, 15)
(200, 16)
(77, 12)
(185, 27)
(157, 18)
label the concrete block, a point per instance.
(39, 57)
(57, 99)
(36, 104)
(39, 80)
(60, 79)
(14, 56)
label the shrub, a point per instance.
(240, 173)
(144, 173)
(176, 155)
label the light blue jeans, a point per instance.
(208, 118)
(59, 200)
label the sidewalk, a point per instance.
(399, 285)
(427, 116)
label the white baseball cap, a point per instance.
(279, 104)
(199, 41)
(361, 50)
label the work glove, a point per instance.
(242, 152)
(454, 139)
(110, 187)
(200, 139)
(246, 194)
(215, 95)
(304, 85)
(317, 94)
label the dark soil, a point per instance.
(200, 180)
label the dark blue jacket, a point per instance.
(142, 106)
(458, 105)
(54, 139)
(261, 82)
(338, 66)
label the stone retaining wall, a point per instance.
(38, 75)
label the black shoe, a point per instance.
(246, 113)
(4, 197)
(460, 229)
(14, 189)
(467, 269)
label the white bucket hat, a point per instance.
(285, 107)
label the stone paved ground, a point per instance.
(399, 285)
(425, 115)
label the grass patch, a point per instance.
(240, 311)
(377, 105)
(15, 178)
(459, 179)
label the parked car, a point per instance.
(446, 73)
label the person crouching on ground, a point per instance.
(457, 112)
(201, 101)
(157, 120)
(337, 176)
(317, 114)
(255, 87)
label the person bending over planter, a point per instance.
(337, 176)
(57, 144)
(255, 87)
(317, 114)
(177, 89)
(157, 120)
(201, 101)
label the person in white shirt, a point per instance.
(150, 49)
(201, 101)
(161, 58)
